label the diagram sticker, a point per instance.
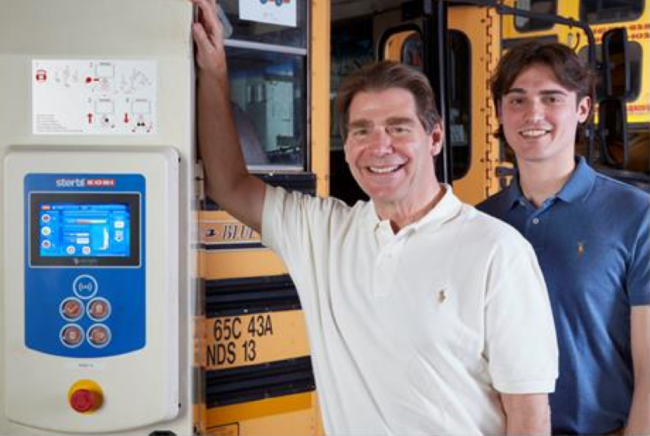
(280, 12)
(94, 97)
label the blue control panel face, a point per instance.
(85, 264)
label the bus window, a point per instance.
(524, 24)
(269, 105)
(413, 51)
(607, 11)
(403, 43)
(635, 54)
(460, 86)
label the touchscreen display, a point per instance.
(68, 229)
(80, 229)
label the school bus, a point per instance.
(252, 366)
(252, 371)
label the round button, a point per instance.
(71, 335)
(535, 220)
(71, 309)
(99, 336)
(46, 244)
(70, 249)
(46, 218)
(99, 309)
(85, 286)
(85, 250)
(85, 396)
(46, 231)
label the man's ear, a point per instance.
(584, 108)
(437, 136)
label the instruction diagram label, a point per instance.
(94, 97)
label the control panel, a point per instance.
(85, 264)
(91, 255)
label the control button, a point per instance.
(70, 249)
(85, 250)
(46, 231)
(99, 335)
(71, 309)
(46, 218)
(46, 244)
(85, 396)
(71, 335)
(85, 286)
(99, 309)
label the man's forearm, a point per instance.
(639, 419)
(638, 422)
(527, 414)
(227, 179)
(218, 139)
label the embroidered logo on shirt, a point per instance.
(442, 296)
(581, 248)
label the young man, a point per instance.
(424, 316)
(590, 234)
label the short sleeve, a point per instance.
(286, 225)
(638, 276)
(521, 343)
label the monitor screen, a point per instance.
(84, 229)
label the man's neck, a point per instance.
(540, 181)
(401, 215)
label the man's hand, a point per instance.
(208, 36)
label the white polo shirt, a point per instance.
(415, 332)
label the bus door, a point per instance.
(470, 53)
(415, 34)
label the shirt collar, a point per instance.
(577, 187)
(579, 184)
(447, 208)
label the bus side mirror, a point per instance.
(612, 126)
(616, 63)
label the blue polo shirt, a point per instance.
(592, 243)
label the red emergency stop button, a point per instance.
(85, 396)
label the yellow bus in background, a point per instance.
(252, 366)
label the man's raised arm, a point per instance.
(228, 181)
